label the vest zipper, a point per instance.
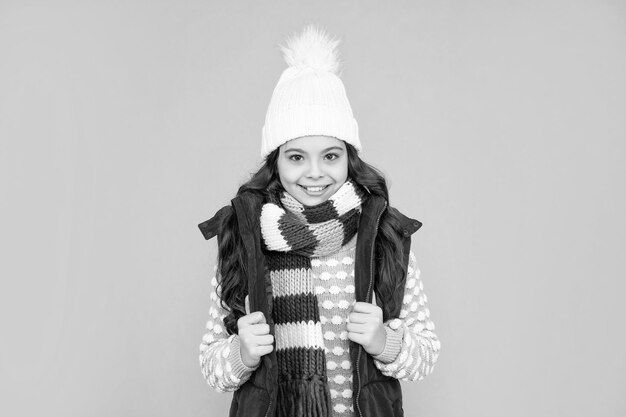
(268, 408)
(367, 296)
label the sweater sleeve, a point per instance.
(220, 357)
(412, 347)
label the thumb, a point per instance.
(247, 303)
(374, 298)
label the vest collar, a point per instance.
(210, 228)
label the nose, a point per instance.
(315, 170)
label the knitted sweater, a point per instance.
(410, 352)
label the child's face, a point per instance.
(312, 168)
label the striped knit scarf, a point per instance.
(294, 233)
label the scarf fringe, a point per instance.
(303, 398)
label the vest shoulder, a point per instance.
(409, 224)
(211, 227)
(244, 204)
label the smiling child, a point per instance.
(317, 307)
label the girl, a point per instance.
(317, 306)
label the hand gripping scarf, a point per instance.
(292, 234)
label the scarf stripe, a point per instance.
(278, 263)
(296, 308)
(350, 225)
(302, 334)
(293, 233)
(288, 282)
(296, 362)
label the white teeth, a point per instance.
(315, 189)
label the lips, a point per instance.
(315, 189)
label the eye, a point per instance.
(295, 157)
(331, 156)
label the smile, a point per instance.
(315, 189)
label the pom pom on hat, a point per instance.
(309, 98)
(312, 49)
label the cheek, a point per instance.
(287, 175)
(341, 174)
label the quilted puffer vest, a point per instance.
(375, 395)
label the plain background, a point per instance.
(124, 124)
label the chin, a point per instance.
(310, 201)
(315, 203)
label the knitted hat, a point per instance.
(309, 99)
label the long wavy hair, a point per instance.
(265, 183)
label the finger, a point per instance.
(266, 340)
(358, 317)
(357, 338)
(250, 319)
(260, 329)
(242, 323)
(356, 328)
(247, 303)
(261, 318)
(257, 318)
(263, 350)
(361, 307)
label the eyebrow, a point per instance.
(332, 148)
